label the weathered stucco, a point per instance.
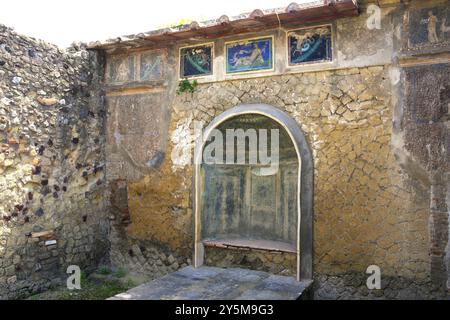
(371, 196)
(104, 165)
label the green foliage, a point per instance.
(83, 278)
(111, 285)
(181, 22)
(104, 270)
(53, 286)
(120, 273)
(186, 86)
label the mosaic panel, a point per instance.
(121, 69)
(196, 61)
(249, 55)
(151, 66)
(429, 26)
(310, 45)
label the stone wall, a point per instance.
(352, 286)
(376, 118)
(375, 198)
(366, 211)
(143, 238)
(96, 161)
(426, 137)
(421, 139)
(52, 204)
(280, 263)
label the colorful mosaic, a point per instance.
(151, 67)
(310, 45)
(196, 61)
(429, 26)
(249, 55)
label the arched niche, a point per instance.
(292, 231)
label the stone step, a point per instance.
(211, 283)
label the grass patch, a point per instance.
(120, 273)
(92, 288)
(104, 271)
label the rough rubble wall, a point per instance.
(52, 204)
(280, 263)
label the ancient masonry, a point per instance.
(52, 163)
(96, 153)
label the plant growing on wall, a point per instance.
(186, 86)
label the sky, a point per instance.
(64, 21)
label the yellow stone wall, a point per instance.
(366, 210)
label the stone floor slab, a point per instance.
(210, 283)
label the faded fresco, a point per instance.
(249, 55)
(196, 61)
(151, 66)
(121, 69)
(429, 26)
(310, 45)
(241, 202)
(134, 134)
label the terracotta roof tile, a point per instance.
(294, 14)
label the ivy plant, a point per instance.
(186, 86)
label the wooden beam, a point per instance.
(42, 234)
(424, 60)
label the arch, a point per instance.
(305, 185)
